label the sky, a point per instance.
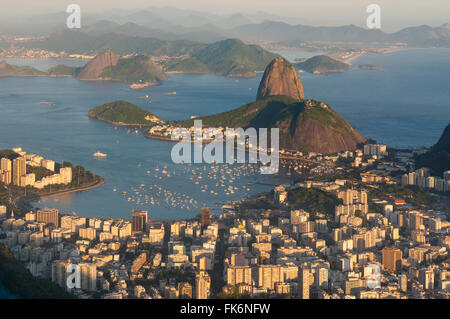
(395, 14)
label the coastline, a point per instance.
(99, 182)
(349, 60)
(168, 139)
(122, 124)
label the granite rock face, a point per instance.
(280, 78)
(95, 67)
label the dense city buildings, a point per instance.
(15, 171)
(365, 242)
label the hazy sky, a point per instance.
(394, 13)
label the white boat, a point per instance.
(98, 154)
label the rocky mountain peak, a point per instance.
(280, 78)
(95, 67)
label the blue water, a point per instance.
(64, 132)
(4, 294)
(405, 105)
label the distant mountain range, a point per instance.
(7, 70)
(280, 32)
(169, 23)
(230, 57)
(78, 42)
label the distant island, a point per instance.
(322, 64)
(370, 67)
(124, 113)
(13, 70)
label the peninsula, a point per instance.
(322, 64)
(124, 113)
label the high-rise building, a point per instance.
(48, 216)
(415, 220)
(202, 285)
(239, 275)
(5, 164)
(205, 218)
(5, 171)
(66, 175)
(19, 169)
(321, 278)
(268, 275)
(353, 285)
(59, 273)
(139, 220)
(426, 278)
(304, 282)
(48, 164)
(392, 258)
(2, 211)
(87, 233)
(403, 279)
(88, 276)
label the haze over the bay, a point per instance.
(395, 14)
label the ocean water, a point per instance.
(64, 132)
(4, 294)
(404, 105)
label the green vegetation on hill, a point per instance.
(306, 125)
(230, 57)
(134, 69)
(9, 154)
(256, 114)
(123, 113)
(322, 64)
(62, 70)
(14, 70)
(20, 282)
(412, 194)
(272, 111)
(313, 200)
(438, 158)
(40, 172)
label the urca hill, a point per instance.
(111, 66)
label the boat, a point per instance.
(100, 155)
(172, 93)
